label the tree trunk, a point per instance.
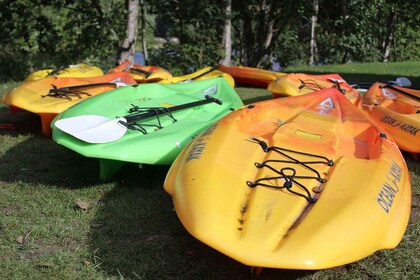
(127, 48)
(143, 31)
(390, 36)
(314, 50)
(227, 39)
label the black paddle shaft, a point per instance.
(159, 111)
(402, 92)
(137, 70)
(72, 88)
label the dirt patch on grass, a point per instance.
(8, 210)
(415, 210)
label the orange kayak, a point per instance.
(50, 96)
(298, 83)
(397, 109)
(249, 75)
(305, 182)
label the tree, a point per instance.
(396, 28)
(227, 28)
(314, 51)
(143, 31)
(260, 23)
(128, 47)
(193, 32)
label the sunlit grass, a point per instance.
(367, 72)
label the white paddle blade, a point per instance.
(402, 82)
(78, 123)
(93, 129)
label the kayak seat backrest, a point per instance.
(358, 139)
(401, 107)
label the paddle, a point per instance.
(202, 74)
(98, 129)
(402, 92)
(147, 73)
(72, 88)
(400, 81)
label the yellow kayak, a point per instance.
(397, 109)
(306, 182)
(298, 83)
(50, 96)
(80, 70)
(202, 74)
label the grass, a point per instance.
(58, 221)
(367, 72)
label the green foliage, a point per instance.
(54, 33)
(185, 58)
(68, 32)
(196, 24)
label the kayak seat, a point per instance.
(401, 107)
(361, 141)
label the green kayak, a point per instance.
(146, 123)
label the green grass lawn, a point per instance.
(58, 221)
(367, 72)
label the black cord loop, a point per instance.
(288, 174)
(157, 111)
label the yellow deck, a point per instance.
(34, 96)
(363, 206)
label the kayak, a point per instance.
(147, 123)
(250, 75)
(142, 73)
(306, 182)
(50, 96)
(397, 109)
(202, 74)
(80, 70)
(298, 83)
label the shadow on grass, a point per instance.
(29, 157)
(137, 234)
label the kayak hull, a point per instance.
(34, 96)
(143, 73)
(81, 70)
(158, 146)
(202, 74)
(250, 75)
(295, 84)
(396, 113)
(363, 206)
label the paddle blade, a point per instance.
(93, 129)
(402, 82)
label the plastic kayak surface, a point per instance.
(80, 70)
(202, 74)
(50, 96)
(157, 138)
(298, 83)
(306, 182)
(143, 73)
(397, 109)
(250, 75)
